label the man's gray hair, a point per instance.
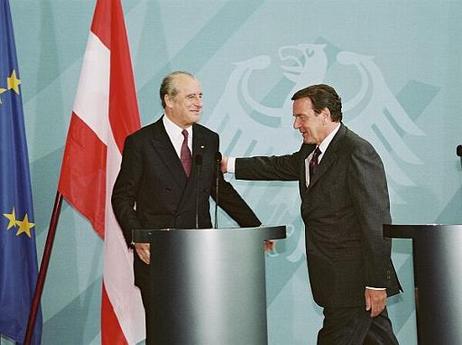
(167, 87)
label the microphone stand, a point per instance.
(198, 164)
(217, 176)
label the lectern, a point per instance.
(208, 285)
(437, 251)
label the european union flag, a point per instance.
(18, 257)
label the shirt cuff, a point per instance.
(375, 288)
(231, 168)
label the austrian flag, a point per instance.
(104, 113)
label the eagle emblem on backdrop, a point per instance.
(261, 124)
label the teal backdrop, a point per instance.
(396, 64)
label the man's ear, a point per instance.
(325, 113)
(168, 100)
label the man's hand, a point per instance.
(224, 164)
(375, 301)
(269, 246)
(143, 251)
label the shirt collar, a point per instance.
(173, 130)
(327, 140)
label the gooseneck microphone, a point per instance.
(217, 176)
(198, 165)
(459, 150)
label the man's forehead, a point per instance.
(186, 83)
(301, 104)
(304, 101)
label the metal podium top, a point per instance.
(412, 230)
(266, 232)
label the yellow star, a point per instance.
(24, 226)
(12, 219)
(13, 82)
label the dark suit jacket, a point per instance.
(344, 209)
(152, 178)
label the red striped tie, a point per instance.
(314, 161)
(186, 158)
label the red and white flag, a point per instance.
(104, 113)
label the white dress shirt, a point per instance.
(322, 147)
(175, 135)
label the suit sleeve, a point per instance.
(368, 188)
(230, 200)
(281, 168)
(284, 168)
(126, 188)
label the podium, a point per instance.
(437, 251)
(208, 285)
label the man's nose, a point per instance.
(198, 101)
(296, 123)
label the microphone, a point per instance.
(217, 176)
(198, 164)
(459, 150)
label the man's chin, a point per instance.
(196, 117)
(307, 140)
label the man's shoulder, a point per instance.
(354, 143)
(352, 139)
(204, 130)
(144, 132)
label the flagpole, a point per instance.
(43, 267)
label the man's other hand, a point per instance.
(375, 301)
(143, 251)
(269, 246)
(224, 164)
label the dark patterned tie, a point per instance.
(314, 161)
(185, 155)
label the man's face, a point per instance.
(186, 106)
(310, 124)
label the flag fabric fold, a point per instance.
(18, 255)
(105, 111)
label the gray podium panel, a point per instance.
(208, 285)
(437, 251)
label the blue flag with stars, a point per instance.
(18, 256)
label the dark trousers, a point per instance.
(355, 326)
(146, 297)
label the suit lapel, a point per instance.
(305, 151)
(330, 156)
(167, 153)
(199, 142)
(199, 149)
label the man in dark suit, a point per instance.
(344, 205)
(158, 179)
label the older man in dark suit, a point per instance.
(160, 185)
(344, 205)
